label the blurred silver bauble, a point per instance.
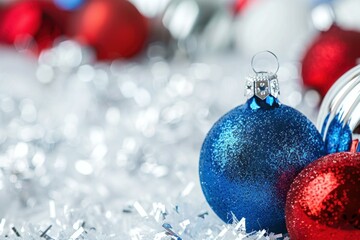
(339, 116)
(277, 25)
(199, 25)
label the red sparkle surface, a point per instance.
(324, 200)
(332, 54)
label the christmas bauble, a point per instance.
(251, 155)
(115, 28)
(265, 24)
(330, 55)
(324, 199)
(32, 25)
(339, 114)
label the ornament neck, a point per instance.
(269, 102)
(262, 89)
(262, 85)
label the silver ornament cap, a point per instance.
(263, 83)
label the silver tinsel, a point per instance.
(110, 151)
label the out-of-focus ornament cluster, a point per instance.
(32, 25)
(335, 48)
(113, 28)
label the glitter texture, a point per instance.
(338, 137)
(324, 199)
(249, 159)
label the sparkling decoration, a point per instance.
(251, 155)
(100, 151)
(116, 29)
(324, 199)
(339, 112)
(330, 55)
(32, 25)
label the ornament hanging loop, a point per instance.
(265, 82)
(261, 59)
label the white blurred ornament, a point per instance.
(277, 25)
(323, 17)
(151, 8)
(347, 14)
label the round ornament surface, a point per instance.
(331, 54)
(32, 25)
(251, 155)
(264, 24)
(115, 28)
(324, 199)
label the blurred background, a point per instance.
(104, 104)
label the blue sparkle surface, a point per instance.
(249, 159)
(338, 137)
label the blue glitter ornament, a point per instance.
(252, 154)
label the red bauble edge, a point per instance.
(324, 200)
(32, 24)
(114, 28)
(331, 54)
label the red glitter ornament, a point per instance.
(32, 25)
(331, 54)
(115, 28)
(323, 202)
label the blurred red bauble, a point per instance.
(241, 5)
(332, 54)
(115, 28)
(324, 200)
(33, 25)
